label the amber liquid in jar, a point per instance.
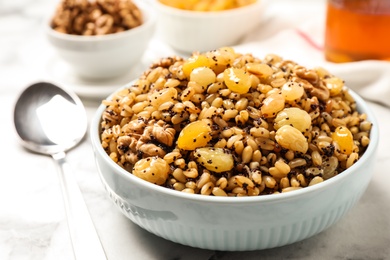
(357, 30)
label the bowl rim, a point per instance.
(203, 14)
(368, 154)
(149, 20)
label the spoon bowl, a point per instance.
(50, 120)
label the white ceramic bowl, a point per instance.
(235, 223)
(105, 56)
(189, 31)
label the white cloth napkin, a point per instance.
(370, 79)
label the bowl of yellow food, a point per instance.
(227, 151)
(189, 26)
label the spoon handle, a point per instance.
(85, 240)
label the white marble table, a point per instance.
(32, 219)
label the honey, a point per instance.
(357, 30)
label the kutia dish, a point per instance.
(230, 124)
(288, 167)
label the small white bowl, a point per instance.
(236, 223)
(104, 56)
(189, 31)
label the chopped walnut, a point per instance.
(135, 126)
(83, 17)
(166, 62)
(309, 75)
(150, 149)
(321, 91)
(164, 135)
(126, 143)
(146, 136)
(111, 116)
(318, 90)
(160, 132)
(131, 157)
(141, 139)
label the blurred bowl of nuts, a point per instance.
(227, 151)
(202, 25)
(103, 38)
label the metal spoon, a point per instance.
(50, 120)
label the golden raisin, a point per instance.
(193, 63)
(152, 169)
(291, 138)
(321, 72)
(343, 137)
(194, 135)
(237, 80)
(272, 105)
(221, 59)
(261, 70)
(292, 91)
(334, 84)
(295, 117)
(164, 95)
(214, 159)
(203, 76)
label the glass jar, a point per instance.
(357, 30)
